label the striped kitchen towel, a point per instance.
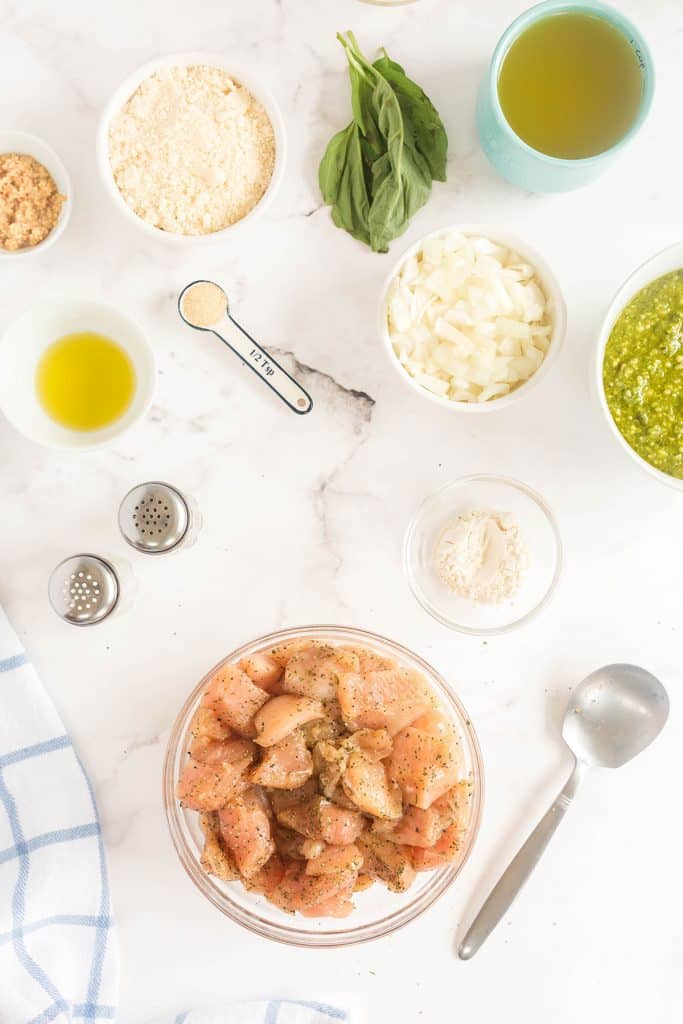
(58, 955)
(275, 1011)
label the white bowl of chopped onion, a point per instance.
(242, 78)
(471, 318)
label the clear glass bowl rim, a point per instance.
(299, 934)
(417, 591)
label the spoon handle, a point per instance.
(518, 870)
(263, 364)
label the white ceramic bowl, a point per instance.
(550, 287)
(22, 346)
(123, 94)
(31, 145)
(656, 266)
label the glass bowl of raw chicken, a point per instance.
(323, 786)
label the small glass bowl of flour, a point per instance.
(483, 554)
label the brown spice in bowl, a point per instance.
(30, 202)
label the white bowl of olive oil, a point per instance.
(75, 373)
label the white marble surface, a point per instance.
(303, 518)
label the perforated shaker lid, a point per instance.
(83, 589)
(154, 517)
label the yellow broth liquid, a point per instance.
(570, 86)
(85, 381)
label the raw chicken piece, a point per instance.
(425, 764)
(389, 699)
(445, 851)
(263, 670)
(390, 863)
(282, 653)
(365, 782)
(315, 895)
(292, 845)
(364, 882)
(335, 858)
(207, 724)
(208, 787)
(315, 671)
(234, 698)
(215, 859)
(267, 878)
(285, 765)
(415, 828)
(281, 715)
(319, 818)
(368, 661)
(283, 798)
(245, 831)
(376, 743)
(214, 751)
(330, 762)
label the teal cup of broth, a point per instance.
(569, 85)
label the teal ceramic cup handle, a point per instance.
(514, 159)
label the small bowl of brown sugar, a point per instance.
(191, 147)
(35, 195)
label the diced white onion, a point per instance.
(468, 318)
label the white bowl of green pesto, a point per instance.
(639, 365)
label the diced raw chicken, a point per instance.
(390, 863)
(207, 724)
(330, 762)
(315, 671)
(215, 859)
(445, 851)
(324, 895)
(319, 818)
(365, 782)
(282, 653)
(294, 846)
(425, 764)
(208, 787)
(376, 743)
(281, 715)
(245, 831)
(389, 699)
(335, 858)
(214, 751)
(262, 670)
(267, 878)
(364, 882)
(322, 729)
(234, 698)
(369, 661)
(283, 798)
(417, 827)
(285, 765)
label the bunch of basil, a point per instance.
(378, 171)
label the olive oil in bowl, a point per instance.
(85, 381)
(571, 85)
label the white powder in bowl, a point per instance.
(480, 556)
(192, 151)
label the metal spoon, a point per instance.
(232, 334)
(613, 714)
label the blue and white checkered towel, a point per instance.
(58, 955)
(273, 1012)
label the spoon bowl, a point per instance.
(614, 714)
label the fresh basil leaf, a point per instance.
(421, 117)
(342, 182)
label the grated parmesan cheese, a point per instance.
(192, 151)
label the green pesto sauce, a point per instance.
(643, 373)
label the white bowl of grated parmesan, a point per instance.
(191, 147)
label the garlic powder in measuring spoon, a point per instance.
(480, 556)
(204, 304)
